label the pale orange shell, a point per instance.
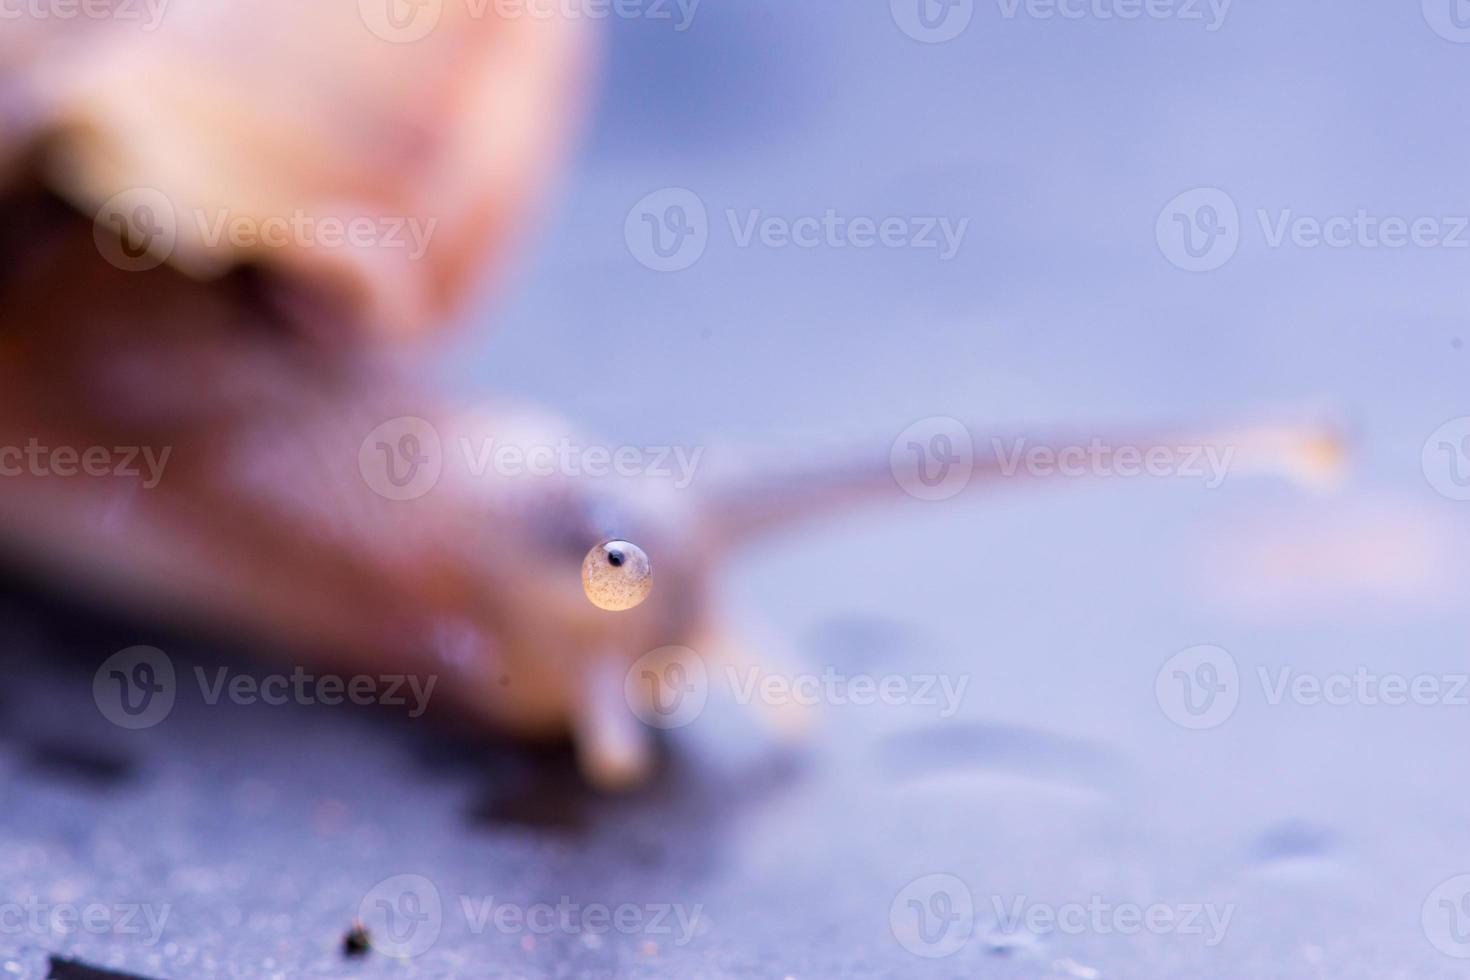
(288, 109)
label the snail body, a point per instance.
(265, 518)
(260, 376)
(277, 514)
(266, 371)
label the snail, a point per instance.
(297, 493)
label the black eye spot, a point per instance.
(615, 559)
(357, 941)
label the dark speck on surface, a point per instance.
(1294, 840)
(95, 767)
(356, 942)
(1005, 945)
(861, 640)
(63, 969)
(556, 801)
(999, 748)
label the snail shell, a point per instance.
(278, 108)
(263, 520)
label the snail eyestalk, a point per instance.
(617, 576)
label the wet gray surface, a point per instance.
(1330, 834)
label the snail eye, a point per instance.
(617, 575)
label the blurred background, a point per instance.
(1137, 196)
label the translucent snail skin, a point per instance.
(263, 370)
(529, 598)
